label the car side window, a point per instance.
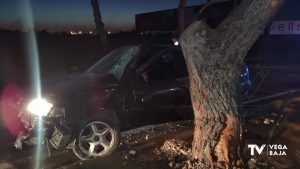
(169, 65)
(161, 68)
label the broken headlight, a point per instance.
(39, 107)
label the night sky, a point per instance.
(65, 15)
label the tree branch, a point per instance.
(200, 12)
(239, 31)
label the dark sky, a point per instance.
(60, 15)
(65, 15)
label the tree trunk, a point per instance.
(214, 58)
(99, 24)
(181, 16)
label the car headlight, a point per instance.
(39, 107)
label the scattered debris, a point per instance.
(252, 163)
(172, 164)
(175, 147)
(268, 121)
(132, 152)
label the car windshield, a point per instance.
(114, 62)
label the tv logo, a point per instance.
(257, 148)
(271, 149)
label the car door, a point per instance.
(182, 100)
(162, 86)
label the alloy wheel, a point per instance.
(96, 139)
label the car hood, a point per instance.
(65, 85)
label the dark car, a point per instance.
(131, 86)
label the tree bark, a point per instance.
(214, 58)
(181, 16)
(99, 24)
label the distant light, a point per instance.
(176, 43)
(109, 32)
(141, 33)
(91, 32)
(79, 32)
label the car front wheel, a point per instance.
(97, 139)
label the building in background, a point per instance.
(277, 51)
(166, 21)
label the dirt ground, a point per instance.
(154, 147)
(165, 146)
(140, 148)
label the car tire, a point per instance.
(100, 128)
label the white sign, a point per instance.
(285, 27)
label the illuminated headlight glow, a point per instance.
(39, 107)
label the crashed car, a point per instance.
(131, 86)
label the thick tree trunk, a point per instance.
(99, 24)
(214, 58)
